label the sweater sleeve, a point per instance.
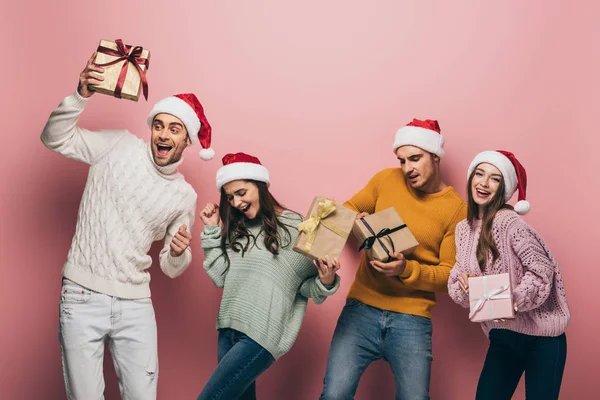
(174, 266)
(455, 291)
(314, 289)
(434, 278)
(366, 199)
(215, 263)
(63, 136)
(536, 284)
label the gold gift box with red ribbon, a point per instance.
(124, 70)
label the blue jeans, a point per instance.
(512, 353)
(241, 361)
(365, 334)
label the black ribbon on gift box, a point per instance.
(370, 241)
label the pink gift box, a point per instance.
(490, 298)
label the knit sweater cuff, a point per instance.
(211, 229)
(211, 237)
(174, 266)
(329, 291)
(408, 269)
(180, 260)
(76, 101)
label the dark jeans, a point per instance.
(510, 354)
(241, 361)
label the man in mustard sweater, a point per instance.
(388, 311)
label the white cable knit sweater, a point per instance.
(128, 203)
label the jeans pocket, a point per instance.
(71, 293)
(350, 303)
(420, 320)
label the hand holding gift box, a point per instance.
(124, 70)
(325, 230)
(384, 233)
(490, 298)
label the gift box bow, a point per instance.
(131, 55)
(370, 241)
(493, 295)
(324, 209)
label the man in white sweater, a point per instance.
(134, 196)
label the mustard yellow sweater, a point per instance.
(432, 219)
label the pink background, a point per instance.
(316, 89)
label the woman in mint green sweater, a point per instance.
(266, 285)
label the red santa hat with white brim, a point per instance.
(241, 166)
(188, 109)
(513, 172)
(423, 134)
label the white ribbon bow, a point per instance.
(493, 295)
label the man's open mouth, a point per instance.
(163, 149)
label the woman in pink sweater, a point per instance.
(494, 240)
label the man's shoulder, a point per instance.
(449, 198)
(392, 177)
(131, 139)
(187, 190)
(449, 206)
(394, 172)
(453, 195)
(122, 140)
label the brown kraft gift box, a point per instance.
(325, 229)
(383, 234)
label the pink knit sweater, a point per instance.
(538, 287)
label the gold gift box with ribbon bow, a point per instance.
(132, 84)
(325, 230)
(383, 234)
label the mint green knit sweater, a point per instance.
(264, 295)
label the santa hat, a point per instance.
(188, 109)
(423, 134)
(512, 171)
(241, 166)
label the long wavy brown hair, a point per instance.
(237, 237)
(487, 245)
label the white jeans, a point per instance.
(87, 318)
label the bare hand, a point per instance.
(89, 76)
(181, 241)
(327, 269)
(362, 215)
(210, 215)
(463, 281)
(392, 268)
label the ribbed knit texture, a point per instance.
(128, 203)
(432, 219)
(537, 283)
(265, 295)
